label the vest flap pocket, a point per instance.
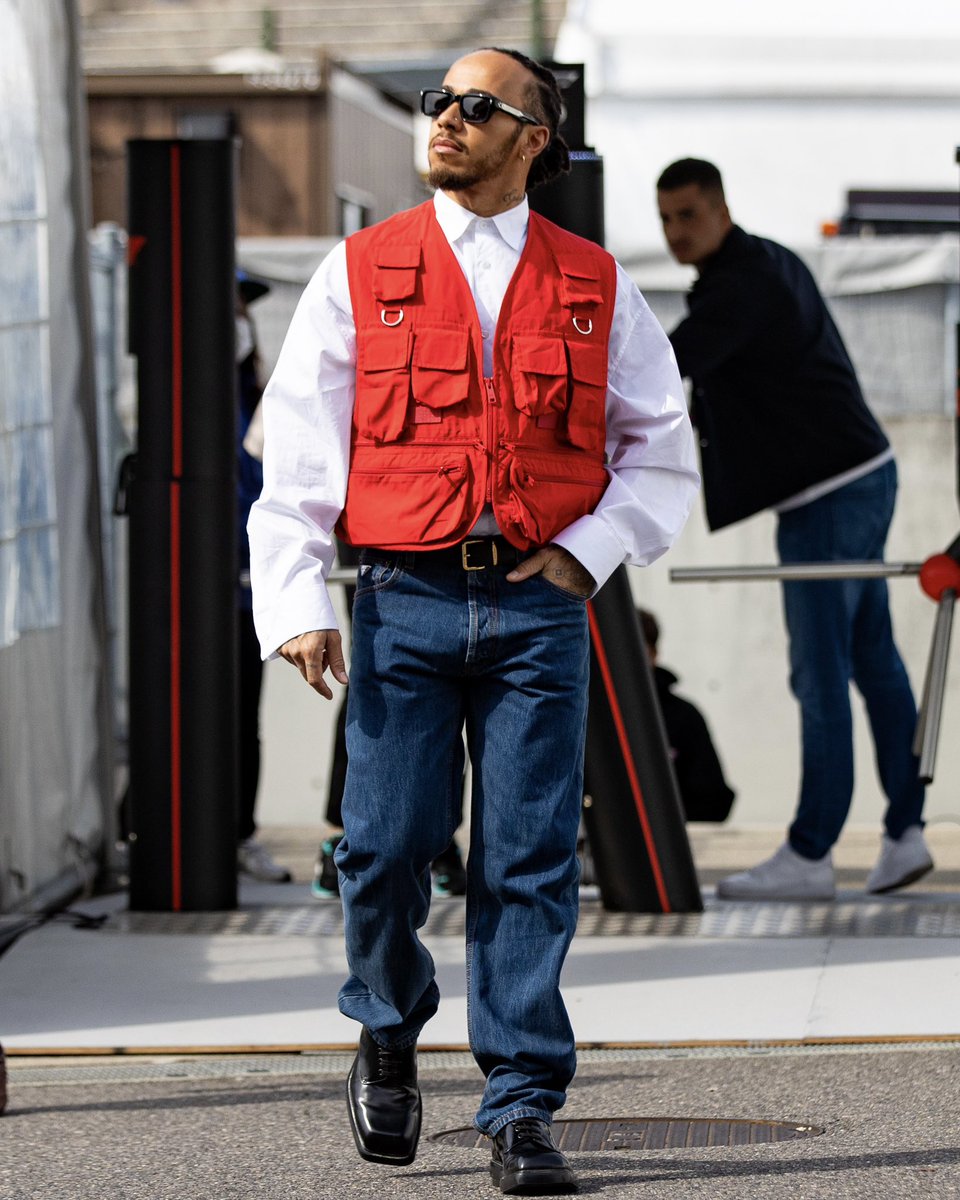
(383, 349)
(588, 362)
(586, 414)
(540, 374)
(441, 349)
(580, 284)
(395, 275)
(383, 383)
(394, 283)
(440, 375)
(539, 355)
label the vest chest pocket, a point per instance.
(440, 377)
(539, 374)
(586, 414)
(383, 383)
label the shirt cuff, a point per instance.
(292, 616)
(594, 545)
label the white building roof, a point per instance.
(753, 47)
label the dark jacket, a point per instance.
(776, 400)
(703, 789)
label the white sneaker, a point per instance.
(901, 862)
(254, 859)
(786, 875)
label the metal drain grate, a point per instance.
(855, 918)
(650, 1133)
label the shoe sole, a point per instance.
(733, 895)
(550, 1181)
(910, 877)
(387, 1160)
(323, 893)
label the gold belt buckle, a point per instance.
(465, 554)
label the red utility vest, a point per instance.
(433, 441)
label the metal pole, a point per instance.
(824, 570)
(935, 685)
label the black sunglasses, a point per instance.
(476, 108)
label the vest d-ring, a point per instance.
(390, 324)
(585, 332)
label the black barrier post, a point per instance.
(632, 811)
(182, 504)
(633, 814)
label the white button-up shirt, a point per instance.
(308, 410)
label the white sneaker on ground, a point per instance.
(901, 862)
(786, 875)
(254, 859)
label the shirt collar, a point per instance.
(455, 220)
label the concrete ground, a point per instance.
(842, 1022)
(889, 1121)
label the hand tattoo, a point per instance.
(568, 573)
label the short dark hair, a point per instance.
(649, 626)
(544, 101)
(685, 171)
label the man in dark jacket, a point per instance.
(704, 793)
(783, 425)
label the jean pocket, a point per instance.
(573, 597)
(377, 576)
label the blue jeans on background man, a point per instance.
(436, 649)
(840, 631)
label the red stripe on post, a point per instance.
(628, 760)
(176, 889)
(176, 456)
(176, 313)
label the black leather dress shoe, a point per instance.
(383, 1101)
(526, 1161)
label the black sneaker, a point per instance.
(326, 881)
(449, 874)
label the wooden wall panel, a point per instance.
(282, 175)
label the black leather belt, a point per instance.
(473, 554)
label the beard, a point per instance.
(449, 178)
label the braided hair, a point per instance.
(543, 101)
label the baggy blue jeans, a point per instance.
(840, 631)
(436, 649)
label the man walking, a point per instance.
(783, 425)
(484, 403)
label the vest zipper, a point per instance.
(492, 402)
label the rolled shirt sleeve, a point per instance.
(651, 458)
(307, 412)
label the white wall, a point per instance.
(795, 103)
(787, 164)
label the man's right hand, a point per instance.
(311, 653)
